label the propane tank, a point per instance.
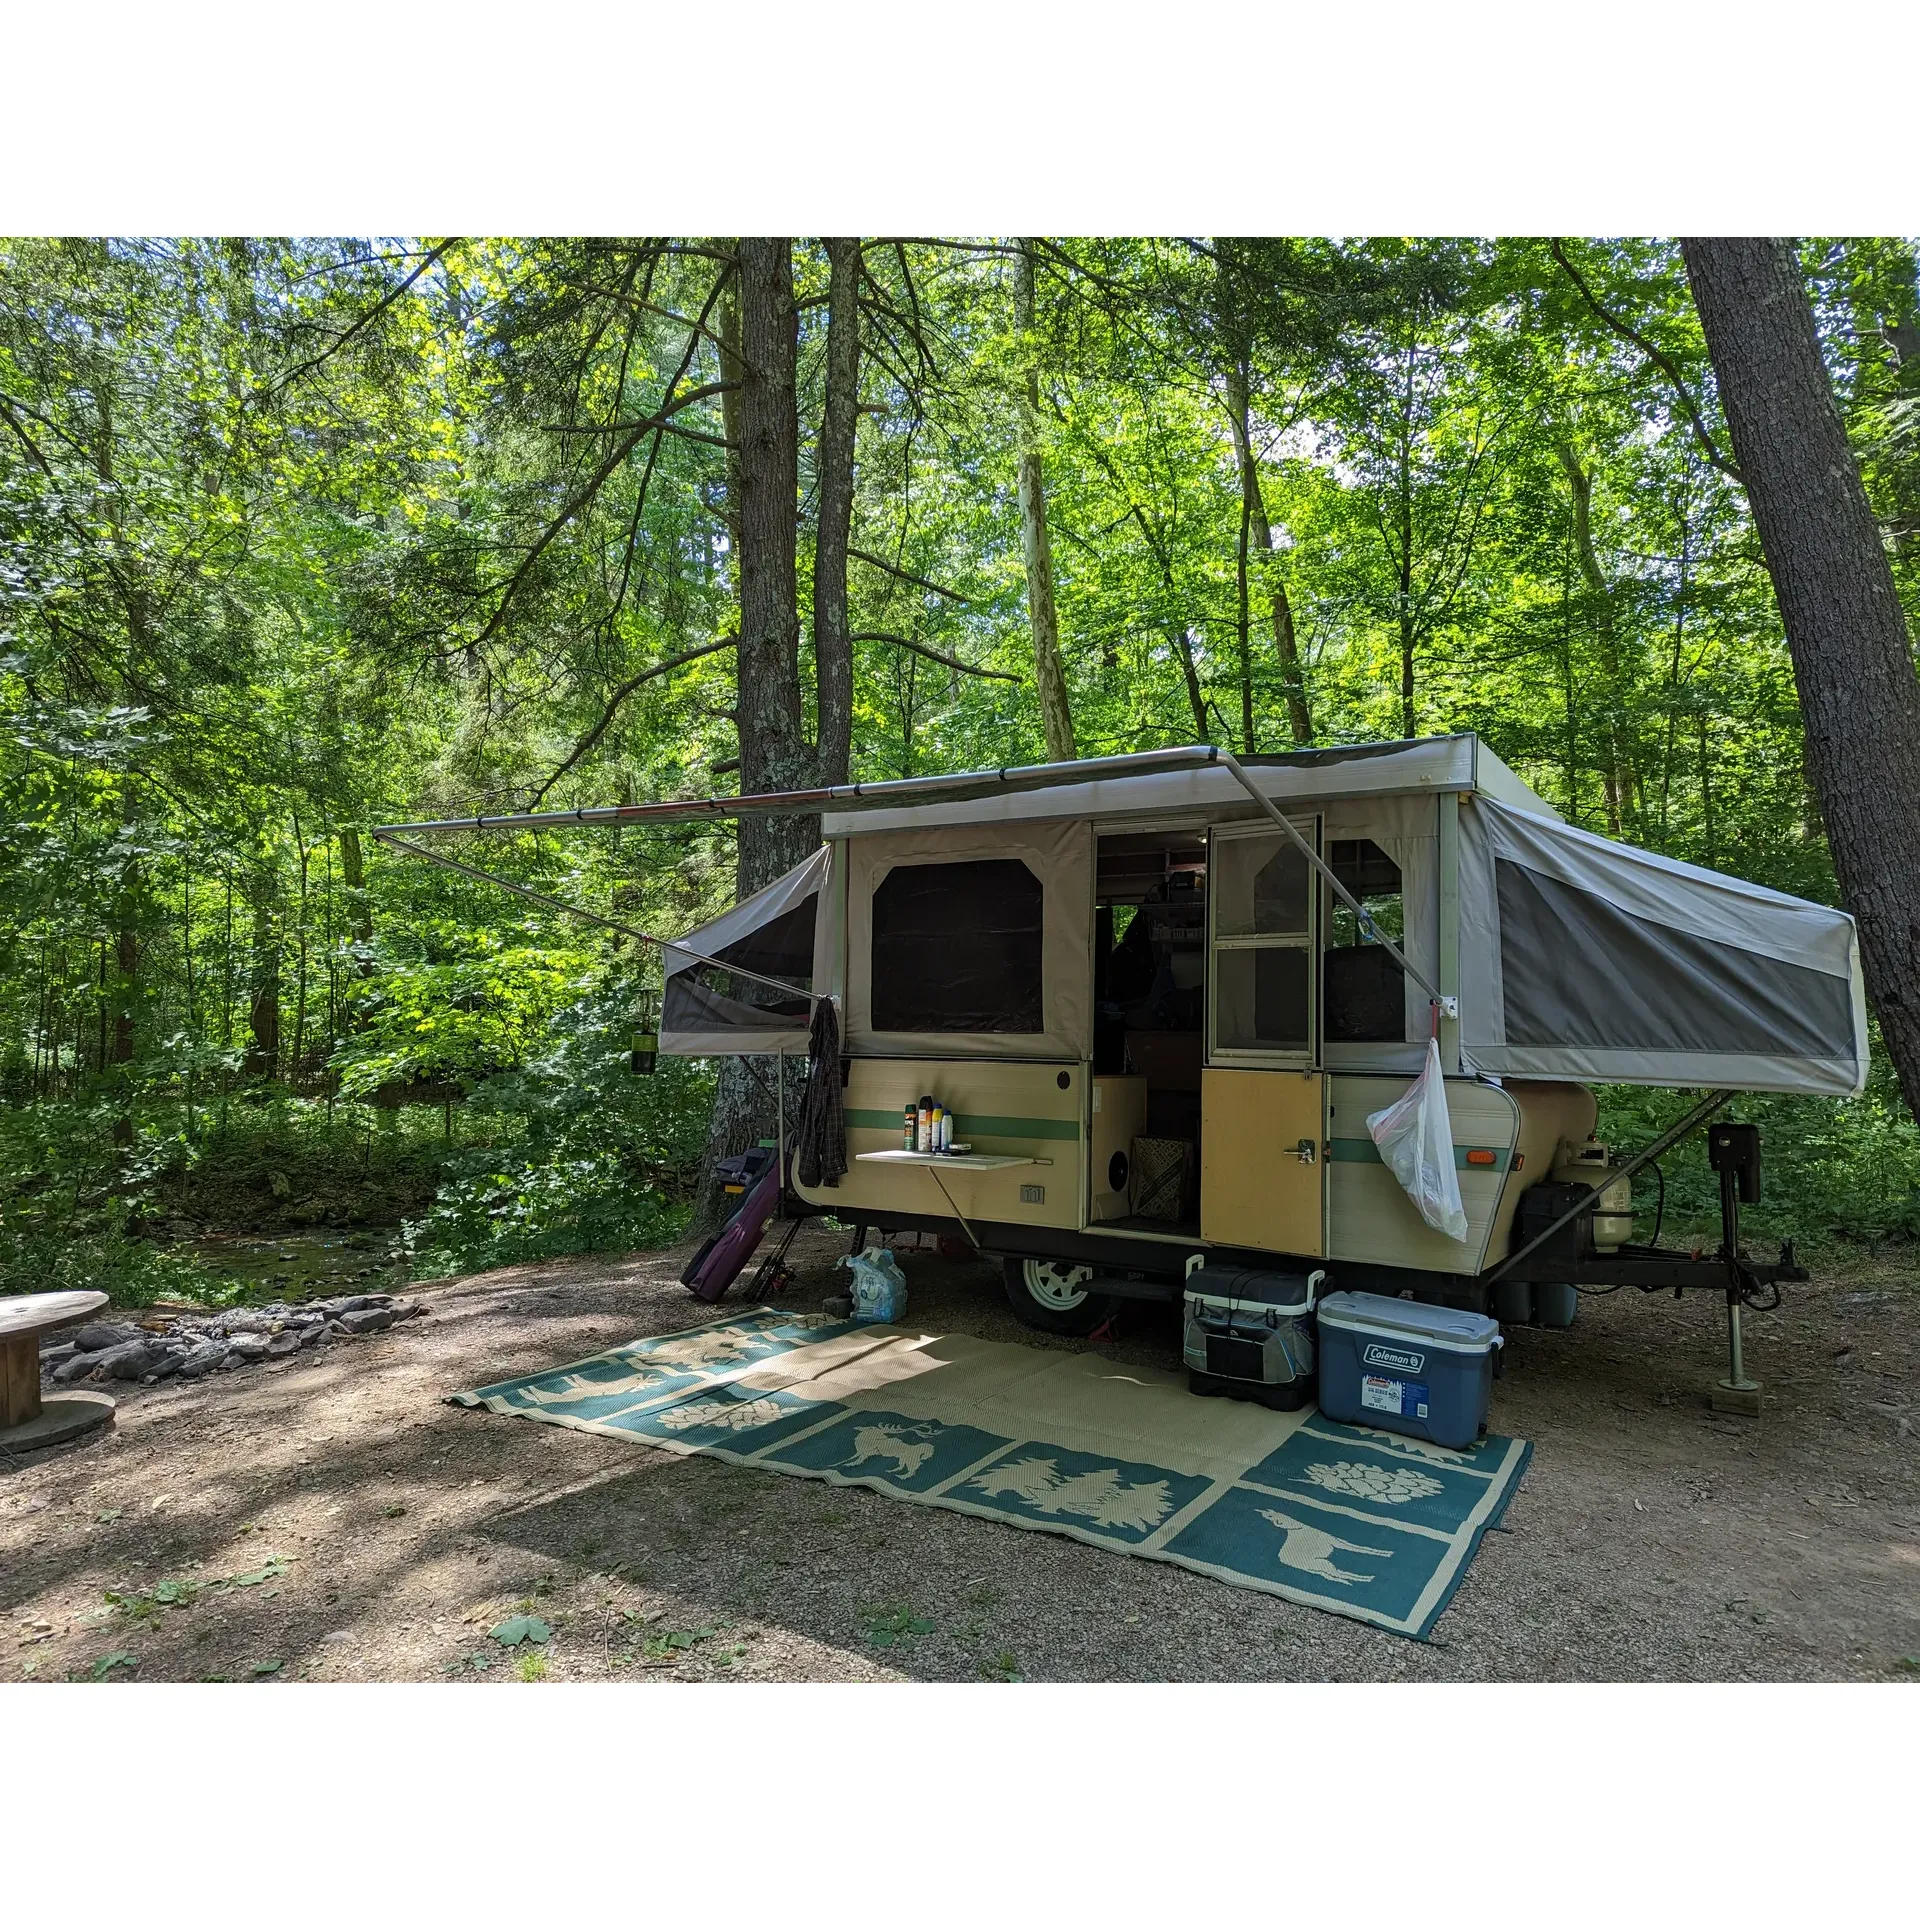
(1590, 1165)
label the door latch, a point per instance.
(1307, 1153)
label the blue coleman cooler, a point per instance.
(1406, 1366)
(1249, 1333)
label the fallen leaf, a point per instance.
(522, 1626)
(264, 1667)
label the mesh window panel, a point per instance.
(783, 947)
(1577, 970)
(1263, 998)
(1262, 884)
(957, 949)
(1362, 992)
(1365, 995)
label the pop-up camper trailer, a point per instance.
(1162, 994)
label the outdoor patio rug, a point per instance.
(1366, 1524)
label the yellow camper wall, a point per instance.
(1001, 1107)
(1369, 1217)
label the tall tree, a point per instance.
(1616, 770)
(1852, 653)
(839, 422)
(1050, 678)
(773, 746)
(1258, 539)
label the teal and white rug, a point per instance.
(1349, 1520)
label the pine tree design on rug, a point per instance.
(1100, 1496)
(709, 1347)
(1424, 1449)
(1386, 1487)
(578, 1387)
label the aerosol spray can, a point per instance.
(946, 1130)
(923, 1125)
(939, 1113)
(909, 1126)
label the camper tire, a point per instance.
(1055, 1295)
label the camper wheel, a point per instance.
(1055, 1295)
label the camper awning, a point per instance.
(772, 933)
(1584, 959)
(1443, 763)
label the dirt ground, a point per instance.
(332, 1518)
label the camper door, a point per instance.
(1262, 1095)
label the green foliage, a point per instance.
(458, 1022)
(1832, 1169)
(595, 1157)
(299, 535)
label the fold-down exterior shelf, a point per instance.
(984, 1162)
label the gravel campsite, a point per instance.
(323, 1513)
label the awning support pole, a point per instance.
(1447, 1003)
(786, 987)
(1673, 1135)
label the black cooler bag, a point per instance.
(1250, 1335)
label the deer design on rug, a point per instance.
(1308, 1550)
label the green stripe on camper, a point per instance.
(1366, 1153)
(994, 1126)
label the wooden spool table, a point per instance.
(26, 1420)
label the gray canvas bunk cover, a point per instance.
(773, 933)
(1583, 959)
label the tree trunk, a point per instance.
(840, 418)
(1050, 678)
(127, 959)
(1612, 760)
(1253, 509)
(1852, 655)
(773, 748)
(1409, 630)
(263, 1003)
(1190, 673)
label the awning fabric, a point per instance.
(773, 932)
(1584, 959)
(1580, 958)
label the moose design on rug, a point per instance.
(1101, 1495)
(1307, 1550)
(1383, 1486)
(909, 1448)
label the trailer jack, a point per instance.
(1733, 1151)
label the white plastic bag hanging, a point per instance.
(1416, 1140)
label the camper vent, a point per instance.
(1033, 1196)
